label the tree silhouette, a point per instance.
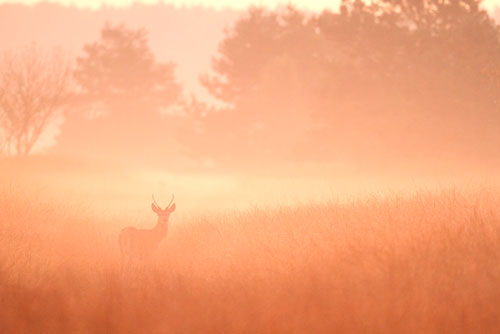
(264, 71)
(256, 40)
(355, 81)
(122, 66)
(125, 90)
(34, 89)
(415, 65)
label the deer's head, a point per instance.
(163, 214)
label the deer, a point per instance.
(140, 244)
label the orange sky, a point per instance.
(237, 4)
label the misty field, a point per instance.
(329, 166)
(407, 262)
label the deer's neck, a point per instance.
(160, 229)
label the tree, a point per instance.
(265, 71)
(421, 65)
(252, 44)
(34, 90)
(379, 79)
(120, 79)
(120, 67)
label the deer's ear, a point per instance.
(172, 208)
(154, 207)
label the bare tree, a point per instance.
(34, 91)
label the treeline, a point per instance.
(404, 80)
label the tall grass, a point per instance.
(425, 262)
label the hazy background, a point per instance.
(335, 169)
(286, 103)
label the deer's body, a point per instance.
(140, 244)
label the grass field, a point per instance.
(404, 262)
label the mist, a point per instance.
(260, 170)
